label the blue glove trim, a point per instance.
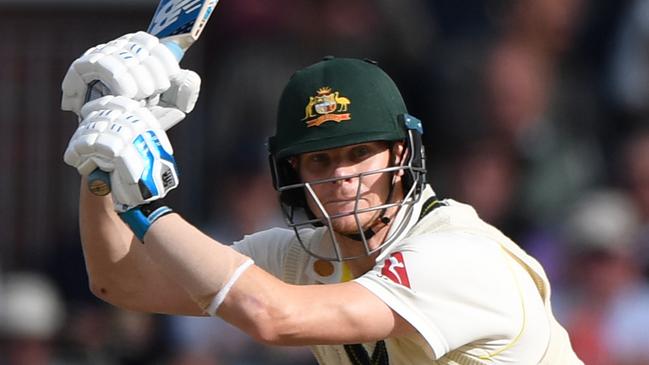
(144, 149)
(140, 219)
(175, 49)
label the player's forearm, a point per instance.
(203, 266)
(114, 263)
(197, 263)
(119, 268)
(260, 304)
(277, 313)
(105, 239)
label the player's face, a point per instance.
(340, 196)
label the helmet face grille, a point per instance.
(297, 218)
(293, 197)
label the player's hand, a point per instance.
(136, 66)
(120, 136)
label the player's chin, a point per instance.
(348, 224)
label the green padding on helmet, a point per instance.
(337, 102)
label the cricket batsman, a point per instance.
(373, 268)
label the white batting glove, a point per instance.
(135, 65)
(120, 136)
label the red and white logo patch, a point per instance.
(394, 268)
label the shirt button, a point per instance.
(323, 268)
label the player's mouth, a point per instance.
(341, 203)
(337, 206)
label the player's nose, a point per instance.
(344, 173)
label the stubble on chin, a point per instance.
(348, 224)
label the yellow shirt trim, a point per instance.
(524, 324)
(346, 274)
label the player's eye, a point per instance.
(319, 158)
(317, 162)
(360, 153)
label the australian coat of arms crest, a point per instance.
(327, 105)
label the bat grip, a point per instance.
(99, 180)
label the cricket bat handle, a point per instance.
(99, 180)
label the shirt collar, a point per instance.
(321, 243)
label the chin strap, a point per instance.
(429, 205)
(369, 233)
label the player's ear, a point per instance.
(398, 154)
(293, 162)
(294, 165)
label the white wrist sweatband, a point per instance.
(220, 296)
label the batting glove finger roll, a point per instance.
(136, 66)
(120, 136)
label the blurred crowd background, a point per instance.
(535, 112)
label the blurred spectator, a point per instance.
(88, 335)
(135, 338)
(634, 169)
(605, 303)
(630, 61)
(251, 203)
(518, 87)
(553, 137)
(31, 316)
(103, 335)
(486, 176)
(208, 341)
(533, 102)
(35, 328)
(548, 26)
(211, 341)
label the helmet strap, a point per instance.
(368, 233)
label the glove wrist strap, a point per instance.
(140, 218)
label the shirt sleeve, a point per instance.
(453, 288)
(266, 248)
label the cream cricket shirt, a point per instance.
(472, 294)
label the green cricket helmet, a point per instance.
(334, 103)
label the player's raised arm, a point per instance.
(140, 255)
(110, 130)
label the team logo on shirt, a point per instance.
(394, 268)
(326, 105)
